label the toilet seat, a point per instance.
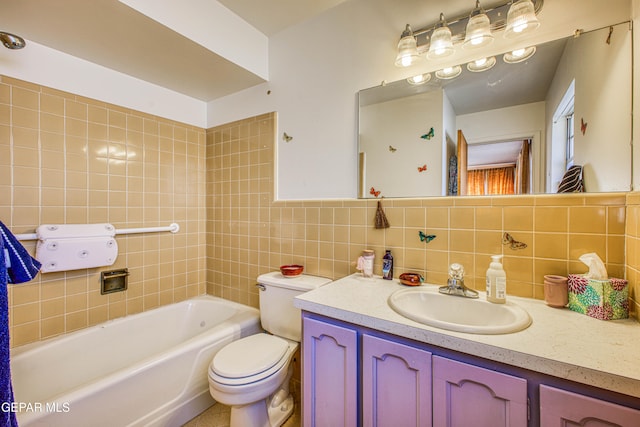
(249, 359)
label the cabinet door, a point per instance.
(560, 408)
(330, 375)
(396, 384)
(466, 395)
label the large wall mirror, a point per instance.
(516, 128)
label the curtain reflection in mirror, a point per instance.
(493, 181)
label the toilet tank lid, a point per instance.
(303, 282)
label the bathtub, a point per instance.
(148, 369)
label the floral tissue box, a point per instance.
(602, 299)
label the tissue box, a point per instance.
(602, 299)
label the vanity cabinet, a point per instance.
(396, 384)
(357, 376)
(563, 408)
(467, 395)
(330, 374)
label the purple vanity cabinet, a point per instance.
(559, 408)
(465, 395)
(396, 384)
(330, 375)
(357, 376)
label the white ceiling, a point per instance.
(111, 34)
(272, 16)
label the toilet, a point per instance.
(251, 375)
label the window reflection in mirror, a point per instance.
(568, 104)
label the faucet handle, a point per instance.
(456, 271)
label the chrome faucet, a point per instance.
(455, 283)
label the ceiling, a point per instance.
(111, 34)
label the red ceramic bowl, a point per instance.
(411, 279)
(292, 270)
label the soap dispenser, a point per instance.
(496, 281)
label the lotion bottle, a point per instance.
(387, 265)
(496, 281)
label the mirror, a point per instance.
(528, 121)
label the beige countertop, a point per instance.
(559, 342)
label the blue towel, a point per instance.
(16, 266)
(21, 267)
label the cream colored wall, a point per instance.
(69, 159)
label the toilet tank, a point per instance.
(277, 313)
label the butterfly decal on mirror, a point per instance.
(373, 192)
(507, 239)
(429, 134)
(426, 237)
(422, 168)
(583, 126)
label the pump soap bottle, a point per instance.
(496, 281)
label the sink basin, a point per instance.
(476, 316)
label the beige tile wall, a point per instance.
(252, 235)
(69, 159)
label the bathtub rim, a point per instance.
(16, 351)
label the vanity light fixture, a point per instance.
(449, 72)
(407, 49)
(420, 79)
(519, 55)
(474, 29)
(478, 30)
(441, 44)
(482, 64)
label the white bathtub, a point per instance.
(146, 369)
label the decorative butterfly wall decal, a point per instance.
(507, 239)
(286, 137)
(373, 192)
(429, 134)
(392, 149)
(422, 168)
(426, 237)
(583, 126)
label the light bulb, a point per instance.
(478, 30)
(519, 55)
(440, 44)
(521, 19)
(420, 79)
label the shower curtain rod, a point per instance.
(174, 228)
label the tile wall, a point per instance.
(69, 159)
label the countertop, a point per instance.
(559, 342)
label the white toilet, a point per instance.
(252, 374)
